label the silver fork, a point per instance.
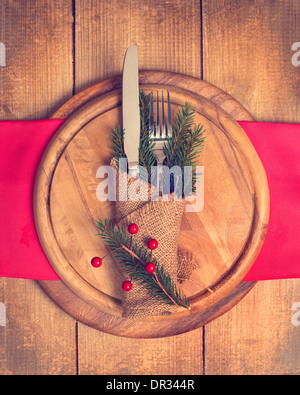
(161, 131)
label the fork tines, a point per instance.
(161, 129)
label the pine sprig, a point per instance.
(182, 149)
(188, 157)
(117, 139)
(180, 134)
(190, 152)
(133, 259)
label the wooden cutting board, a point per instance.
(224, 238)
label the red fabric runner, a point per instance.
(22, 144)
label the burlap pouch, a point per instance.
(160, 220)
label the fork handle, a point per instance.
(158, 152)
(160, 156)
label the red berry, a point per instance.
(96, 261)
(150, 267)
(133, 229)
(127, 286)
(152, 244)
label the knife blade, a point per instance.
(130, 108)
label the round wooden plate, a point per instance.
(224, 238)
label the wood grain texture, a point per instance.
(257, 335)
(159, 28)
(247, 52)
(32, 340)
(37, 78)
(95, 318)
(138, 356)
(32, 32)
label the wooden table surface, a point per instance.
(54, 49)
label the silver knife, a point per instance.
(131, 109)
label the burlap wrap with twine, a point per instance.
(156, 219)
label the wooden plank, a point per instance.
(160, 29)
(247, 52)
(38, 337)
(100, 353)
(257, 336)
(104, 30)
(38, 73)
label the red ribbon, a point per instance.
(22, 144)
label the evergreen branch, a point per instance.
(117, 139)
(182, 149)
(181, 130)
(133, 259)
(193, 147)
(189, 157)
